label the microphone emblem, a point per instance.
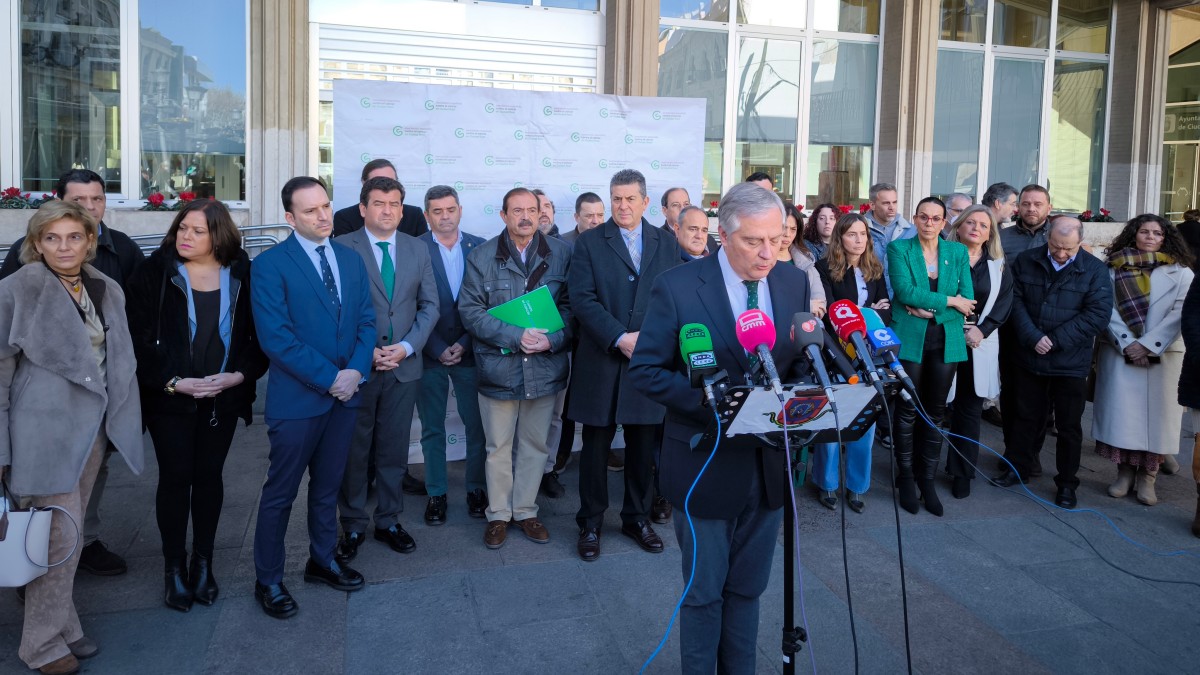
(809, 326)
(751, 320)
(842, 311)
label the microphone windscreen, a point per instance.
(872, 319)
(755, 328)
(847, 319)
(806, 330)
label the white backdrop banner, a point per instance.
(484, 142)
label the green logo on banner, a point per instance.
(519, 135)
(488, 160)
(656, 115)
(365, 158)
(451, 439)
(458, 185)
(604, 164)
(518, 184)
(489, 108)
(429, 159)
(459, 132)
(654, 211)
(575, 136)
(655, 165)
(397, 131)
(547, 163)
(604, 112)
(489, 209)
(628, 139)
(547, 111)
(574, 187)
(365, 102)
(429, 105)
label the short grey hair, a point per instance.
(959, 195)
(1064, 224)
(688, 209)
(628, 177)
(440, 192)
(666, 196)
(881, 187)
(746, 199)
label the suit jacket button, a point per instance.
(631, 277)
(1157, 344)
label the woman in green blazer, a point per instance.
(932, 293)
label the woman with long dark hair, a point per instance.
(932, 291)
(792, 249)
(198, 360)
(1136, 419)
(818, 233)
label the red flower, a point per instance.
(1104, 212)
(187, 196)
(863, 208)
(10, 193)
(156, 199)
(844, 208)
(1086, 215)
(713, 204)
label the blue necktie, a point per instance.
(327, 277)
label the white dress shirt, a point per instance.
(452, 260)
(737, 291)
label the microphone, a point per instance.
(848, 321)
(807, 334)
(756, 334)
(886, 346)
(840, 360)
(696, 348)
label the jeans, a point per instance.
(826, 458)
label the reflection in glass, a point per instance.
(782, 13)
(1077, 134)
(847, 16)
(964, 20)
(70, 91)
(590, 5)
(325, 144)
(1083, 25)
(1180, 179)
(1021, 23)
(1183, 84)
(692, 64)
(841, 121)
(1016, 121)
(956, 120)
(699, 10)
(767, 108)
(193, 100)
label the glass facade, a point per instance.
(692, 64)
(1077, 134)
(1180, 186)
(1021, 23)
(841, 132)
(1015, 139)
(70, 103)
(768, 99)
(956, 122)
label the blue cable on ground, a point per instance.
(692, 528)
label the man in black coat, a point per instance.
(736, 507)
(117, 256)
(612, 269)
(1062, 300)
(349, 219)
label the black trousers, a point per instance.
(1036, 396)
(968, 408)
(1008, 385)
(916, 443)
(640, 445)
(191, 454)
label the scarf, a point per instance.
(1131, 284)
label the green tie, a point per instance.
(387, 270)
(752, 303)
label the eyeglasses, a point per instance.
(929, 219)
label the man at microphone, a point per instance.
(736, 506)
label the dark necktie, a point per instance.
(327, 277)
(752, 303)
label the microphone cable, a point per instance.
(787, 458)
(845, 556)
(1053, 510)
(899, 537)
(692, 528)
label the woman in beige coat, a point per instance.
(1136, 418)
(67, 389)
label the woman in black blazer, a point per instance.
(197, 362)
(850, 271)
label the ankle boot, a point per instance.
(179, 596)
(1125, 474)
(1196, 520)
(203, 583)
(1170, 465)
(1145, 486)
(929, 495)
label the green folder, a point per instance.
(535, 309)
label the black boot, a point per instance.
(902, 446)
(929, 496)
(930, 447)
(179, 596)
(203, 583)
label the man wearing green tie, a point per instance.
(404, 294)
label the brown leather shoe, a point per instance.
(496, 532)
(644, 535)
(534, 530)
(660, 512)
(588, 544)
(64, 666)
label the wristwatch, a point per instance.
(171, 385)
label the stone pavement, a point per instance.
(998, 585)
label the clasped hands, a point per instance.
(534, 340)
(963, 305)
(452, 355)
(388, 357)
(209, 386)
(1138, 354)
(345, 384)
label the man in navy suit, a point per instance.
(737, 504)
(315, 321)
(449, 359)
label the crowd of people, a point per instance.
(364, 316)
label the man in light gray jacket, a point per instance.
(520, 370)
